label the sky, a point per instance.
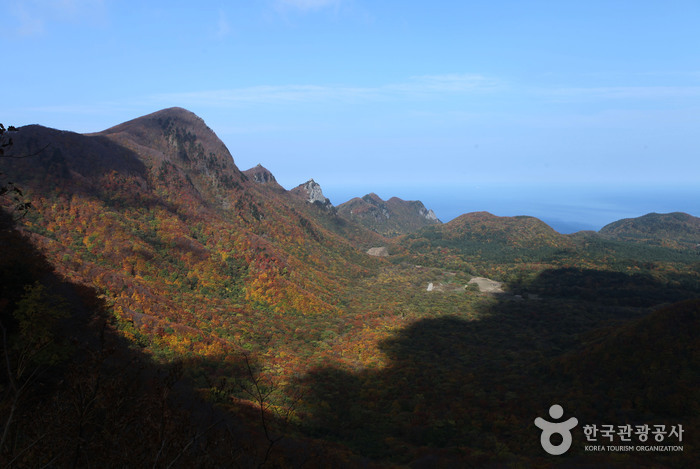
(578, 112)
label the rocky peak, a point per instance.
(260, 174)
(311, 191)
(382, 210)
(428, 214)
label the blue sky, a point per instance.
(515, 107)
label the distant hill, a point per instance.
(523, 231)
(483, 239)
(389, 218)
(675, 229)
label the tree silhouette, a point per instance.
(7, 188)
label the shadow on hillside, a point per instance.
(58, 157)
(75, 393)
(614, 288)
(459, 393)
(90, 165)
(93, 397)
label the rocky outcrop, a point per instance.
(381, 251)
(312, 193)
(428, 214)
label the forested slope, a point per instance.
(236, 307)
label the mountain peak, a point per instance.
(429, 215)
(175, 111)
(261, 175)
(311, 191)
(373, 198)
(176, 136)
(389, 218)
(178, 115)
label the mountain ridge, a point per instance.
(169, 165)
(237, 282)
(390, 218)
(176, 135)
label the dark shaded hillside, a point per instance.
(197, 304)
(613, 288)
(76, 392)
(68, 161)
(389, 218)
(658, 354)
(458, 392)
(666, 229)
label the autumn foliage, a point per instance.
(186, 281)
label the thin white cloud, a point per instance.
(263, 95)
(223, 28)
(624, 92)
(34, 17)
(104, 108)
(417, 87)
(27, 24)
(73, 8)
(447, 83)
(306, 5)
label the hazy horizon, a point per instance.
(567, 209)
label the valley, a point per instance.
(153, 285)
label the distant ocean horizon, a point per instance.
(566, 208)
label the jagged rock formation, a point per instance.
(312, 193)
(428, 214)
